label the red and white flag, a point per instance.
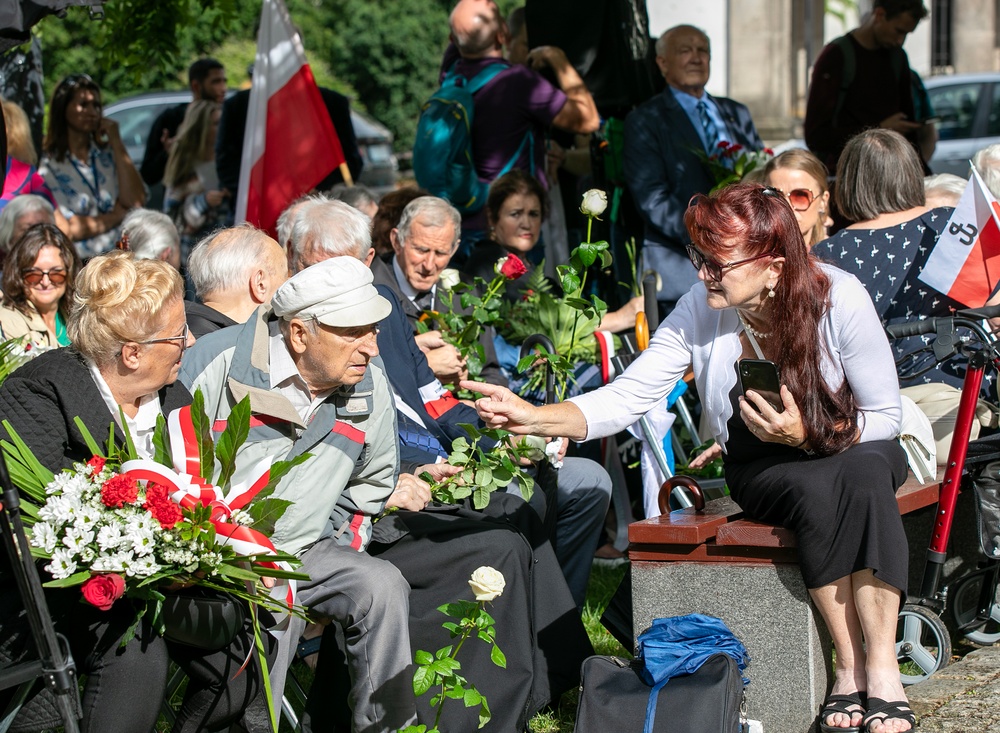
(965, 262)
(290, 143)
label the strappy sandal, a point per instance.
(841, 704)
(877, 708)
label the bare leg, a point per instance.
(836, 604)
(878, 609)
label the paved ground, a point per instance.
(961, 698)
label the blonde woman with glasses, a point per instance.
(801, 177)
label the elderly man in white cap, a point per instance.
(310, 366)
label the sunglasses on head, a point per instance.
(715, 269)
(33, 276)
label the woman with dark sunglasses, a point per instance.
(801, 177)
(822, 461)
(38, 287)
(87, 168)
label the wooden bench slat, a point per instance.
(685, 527)
(722, 520)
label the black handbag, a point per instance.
(613, 696)
(201, 617)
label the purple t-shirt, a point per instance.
(516, 100)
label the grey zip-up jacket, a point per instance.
(352, 437)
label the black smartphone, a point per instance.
(761, 376)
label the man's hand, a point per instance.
(410, 493)
(900, 124)
(429, 340)
(447, 364)
(539, 58)
(166, 141)
(438, 471)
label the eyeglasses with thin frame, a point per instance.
(714, 269)
(183, 338)
(33, 276)
(799, 199)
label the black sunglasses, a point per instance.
(714, 269)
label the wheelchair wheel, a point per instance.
(923, 645)
(963, 597)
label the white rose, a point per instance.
(595, 201)
(536, 446)
(487, 583)
(449, 278)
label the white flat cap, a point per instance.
(336, 292)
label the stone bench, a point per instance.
(746, 573)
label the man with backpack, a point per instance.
(863, 80)
(491, 116)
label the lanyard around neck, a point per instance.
(94, 189)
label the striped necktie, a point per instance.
(711, 131)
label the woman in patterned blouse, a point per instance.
(87, 167)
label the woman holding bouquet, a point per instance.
(824, 463)
(129, 335)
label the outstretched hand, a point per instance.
(501, 408)
(772, 426)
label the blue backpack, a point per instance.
(442, 150)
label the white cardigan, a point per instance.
(694, 334)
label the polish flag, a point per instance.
(290, 144)
(965, 262)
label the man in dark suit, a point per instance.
(663, 140)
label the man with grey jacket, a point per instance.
(309, 364)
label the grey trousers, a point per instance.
(369, 600)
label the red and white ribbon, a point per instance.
(189, 489)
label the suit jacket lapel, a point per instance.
(675, 116)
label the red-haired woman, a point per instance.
(826, 466)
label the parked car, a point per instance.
(969, 109)
(135, 116)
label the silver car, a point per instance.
(968, 106)
(135, 116)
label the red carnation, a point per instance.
(103, 590)
(118, 491)
(723, 144)
(736, 148)
(97, 463)
(769, 151)
(159, 504)
(513, 268)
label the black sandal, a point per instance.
(840, 704)
(898, 710)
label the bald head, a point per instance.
(684, 56)
(237, 269)
(477, 29)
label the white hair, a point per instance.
(17, 207)
(945, 185)
(332, 227)
(225, 260)
(987, 162)
(283, 227)
(432, 212)
(150, 233)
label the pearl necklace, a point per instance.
(750, 329)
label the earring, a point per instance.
(770, 291)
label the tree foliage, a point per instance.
(386, 54)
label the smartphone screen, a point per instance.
(761, 376)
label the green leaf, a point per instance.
(423, 657)
(235, 434)
(74, 579)
(231, 571)
(481, 496)
(161, 443)
(279, 469)
(203, 434)
(423, 680)
(92, 446)
(266, 512)
(472, 697)
(498, 657)
(443, 652)
(130, 451)
(484, 714)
